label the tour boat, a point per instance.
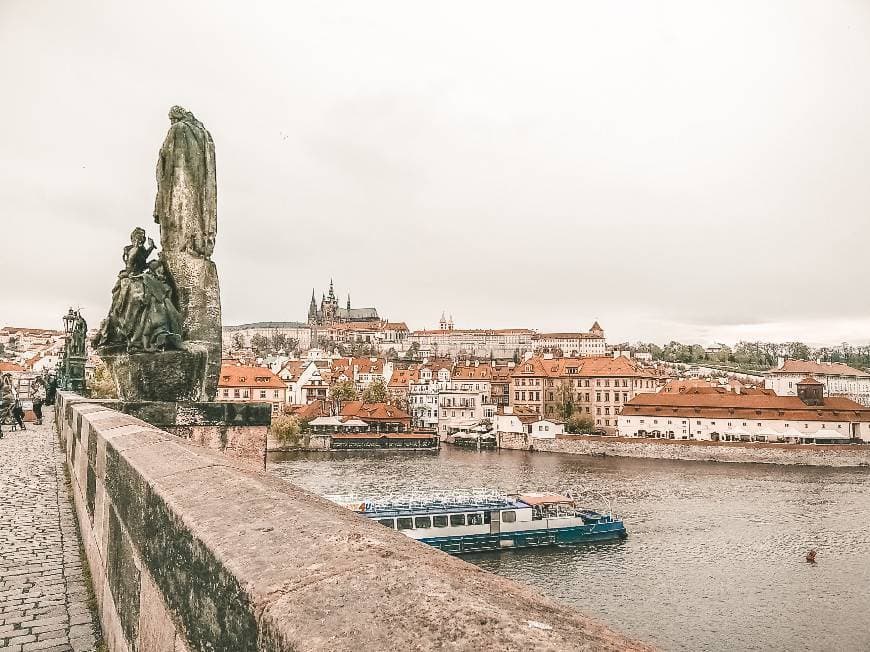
(478, 520)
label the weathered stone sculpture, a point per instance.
(143, 316)
(186, 203)
(186, 209)
(162, 339)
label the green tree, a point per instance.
(102, 385)
(287, 429)
(391, 355)
(341, 393)
(260, 344)
(238, 341)
(564, 401)
(376, 392)
(413, 351)
(579, 423)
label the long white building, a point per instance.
(716, 414)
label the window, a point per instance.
(404, 523)
(457, 519)
(388, 522)
(226, 393)
(508, 517)
(235, 393)
(262, 393)
(422, 522)
(475, 519)
(439, 521)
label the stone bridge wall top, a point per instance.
(190, 550)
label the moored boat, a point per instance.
(480, 520)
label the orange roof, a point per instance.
(10, 368)
(373, 411)
(807, 368)
(403, 377)
(543, 499)
(251, 377)
(680, 386)
(809, 380)
(471, 372)
(310, 411)
(746, 406)
(295, 368)
(591, 367)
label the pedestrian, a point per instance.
(18, 415)
(38, 394)
(7, 398)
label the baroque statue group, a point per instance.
(170, 301)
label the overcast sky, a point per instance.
(693, 170)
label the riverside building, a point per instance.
(838, 379)
(716, 414)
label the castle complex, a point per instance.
(330, 313)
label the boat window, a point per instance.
(390, 523)
(457, 519)
(509, 517)
(422, 522)
(404, 523)
(439, 521)
(475, 519)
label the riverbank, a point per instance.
(832, 455)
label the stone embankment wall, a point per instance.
(700, 451)
(190, 550)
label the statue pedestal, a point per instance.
(199, 301)
(161, 376)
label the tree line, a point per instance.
(752, 355)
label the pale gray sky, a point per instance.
(695, 170)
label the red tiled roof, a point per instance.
(373, 411)
(747, 406)
(10, 368)
(403, 377)
(471, 372)
(252, 377)
(591, 367)
(807, 368)
(310, 411)
(809, 380)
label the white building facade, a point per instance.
(838, 379)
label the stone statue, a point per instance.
(186, 203)
(143, 315)
(78, 343)
(162, 338)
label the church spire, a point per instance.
(331, 290)
(348, 301)
(312, 308)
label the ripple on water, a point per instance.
(715, 555)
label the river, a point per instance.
(715, 554)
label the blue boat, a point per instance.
(480, 520)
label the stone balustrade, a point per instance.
(190, 550)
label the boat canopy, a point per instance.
(544, 499)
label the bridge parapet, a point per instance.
(191, 550)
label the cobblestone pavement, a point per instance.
(43, 596)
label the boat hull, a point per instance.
(463, 544)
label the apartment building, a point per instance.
(597, 386)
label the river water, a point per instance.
(715, 554)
